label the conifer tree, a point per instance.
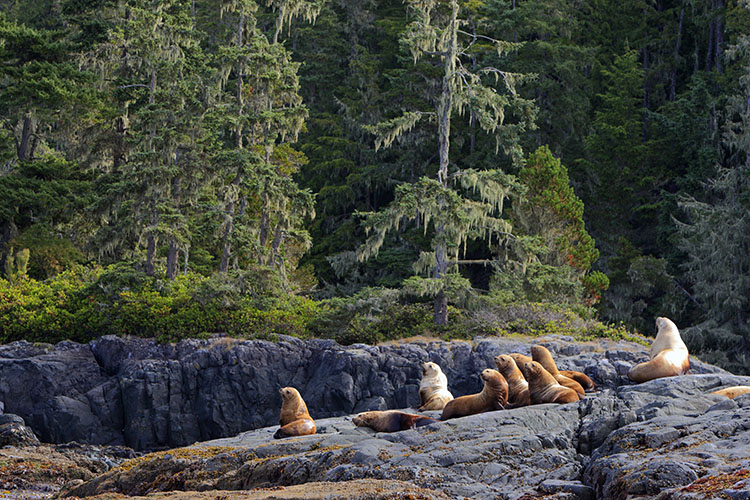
(153, 55)
(715, 236)
(260, 108)
(444, 204)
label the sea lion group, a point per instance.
(518, 381)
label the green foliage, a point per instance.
(84, 304)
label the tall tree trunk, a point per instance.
(27, 131)
(710, 51)
(646, 97)
(229, 228)
(445, 106)
(673, 82)
(719, 29)
(172, 255)
(150, 254)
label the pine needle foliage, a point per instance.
(464, 204)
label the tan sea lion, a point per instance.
(520, 359)
(541, 355)
(294, 418)
(391, 420)
(494, 395)
(433, 388)
(518, 388)
(733, 392)
(669, 355)
(581, 378)
(543, 387)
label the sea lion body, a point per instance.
(518, 387)
(541, 355)
(544, 388)
(294, 418)
(733, 392)
(669, 355)
(391, 420)
(581, 378)
(433, 388)
(494, 396)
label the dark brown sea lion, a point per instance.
(391, 420)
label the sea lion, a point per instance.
(518, 388)
(669, 355)
(520, 359)
(494, 395)
(581, 378)
(391, 420)
(541, 355)
(543, 388)
(733, 392)
(433, 388)
(294, 418)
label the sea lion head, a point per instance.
(663, 323)
(504, 362)
(429, 368)
(531, 369)
(363, 419)
(492, 376)
(288, 393)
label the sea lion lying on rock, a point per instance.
(391, 420)
(669, 355)
(543, 388)
(294, 418)
(518, 388)
(734, 391)
(433, 388)
(580, 377)
(494, 396)
(541, 354)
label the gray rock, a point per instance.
(145, 395)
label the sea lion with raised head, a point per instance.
(433, 388)
(669, 355)
(520, 359)
(543, 388)
(494, 396)
(391, 420)
(294, 418)
(518, 388)
(541, 355)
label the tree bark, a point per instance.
(229, 228)
(24, 146)
(445, 106)
(710, 51)
(646, 97)
(150, 255)
(673, 82)
(719, 28)
(172, 255)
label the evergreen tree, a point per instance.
(715, 238)
(260, 110)
(152, 53)
(455, 217)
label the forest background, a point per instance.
(190, 168)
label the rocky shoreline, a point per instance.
(667, 438)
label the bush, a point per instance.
(84, 304)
